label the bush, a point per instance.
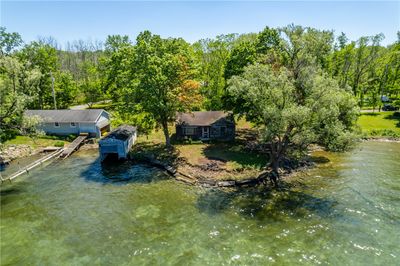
(70, 138)
(385, 133)
(49, 137)
(396, 103)
(59, 144)
(396, 114)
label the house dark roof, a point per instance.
(201, 118)
(122, 133)
(66, 116)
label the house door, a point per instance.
(205, 132)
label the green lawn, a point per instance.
(38, 143)
(106, 106)
(379, 123)
(233, 154)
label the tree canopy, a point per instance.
(151, 78)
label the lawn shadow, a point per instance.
(370, 114)
(244, 135)
(158, 151)
(237, 151)
(234, 153)
(394, 116)
(265, 204)
(319, 159)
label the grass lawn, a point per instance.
(233, 159)
(157, 136)
(234, 155)
(38, 143)
(106, 106)
(373, 123)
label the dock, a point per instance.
(33, 165)
(56, 153)
(73, 146)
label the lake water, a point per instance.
(74, 212)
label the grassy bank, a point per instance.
(219, 160)
(380, 124)
(37, 143)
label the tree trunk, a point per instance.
(274, 163)
(166, 134)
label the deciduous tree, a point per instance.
(326, 114)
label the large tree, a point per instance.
(213, 55)
(9, 41)
(162, 79)
(43, 57)
(326, 114)
(15, 82)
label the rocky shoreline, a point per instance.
(261, 178)
(381, 139)
(16, 151)
(12, 152)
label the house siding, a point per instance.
(64, 129)
(218, 131)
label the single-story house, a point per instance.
(94, 122)
(210, 125)
(118, 142)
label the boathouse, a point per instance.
(94, 122)
(210, 125)
(118, 142)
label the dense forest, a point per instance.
(285, 77)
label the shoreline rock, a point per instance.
(381, 139)
(178, 175)
(14, 151)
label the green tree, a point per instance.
(91, 85)
(116, 66)
(66, 90)
(244, 53)
(162, 79)
(30, 127)
(116, 42)
(9, 41)
(267, 40)
(42, 57)
(213, 55)
(366, 55)
(325, 115)
(15, 82)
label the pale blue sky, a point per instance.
(193, 20)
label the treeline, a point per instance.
(151, 78)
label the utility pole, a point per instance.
(53, 92)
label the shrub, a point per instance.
(396, 103)
(70, 138)
(49, 137)
(59, 144)
(385, 133)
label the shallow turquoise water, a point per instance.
(74, 212)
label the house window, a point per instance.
(73, 124)
(189, 131)
(56, 124)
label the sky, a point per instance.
(194, 20)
